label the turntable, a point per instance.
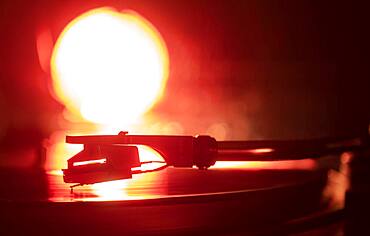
(262, 84)
(262, 197)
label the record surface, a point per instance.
(179, 201)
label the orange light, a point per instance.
(146, 155)
(117, 190)
(305, 164)
(262, 150)
(112, 190)
(83, 163)
(252, 151)
(109, 67)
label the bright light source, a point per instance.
(109, 67)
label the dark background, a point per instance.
(266, 69)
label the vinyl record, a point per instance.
(171, 201)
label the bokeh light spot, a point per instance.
(109, 67)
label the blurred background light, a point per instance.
(238, 70)
(109, 67)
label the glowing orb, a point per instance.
(109, 67)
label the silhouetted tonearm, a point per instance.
(111, 157)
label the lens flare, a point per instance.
(109, 67)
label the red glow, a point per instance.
(44, 44)
(262, 150)
(109, 67)
(305, 164)
(251, 151)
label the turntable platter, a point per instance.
(166, 202)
